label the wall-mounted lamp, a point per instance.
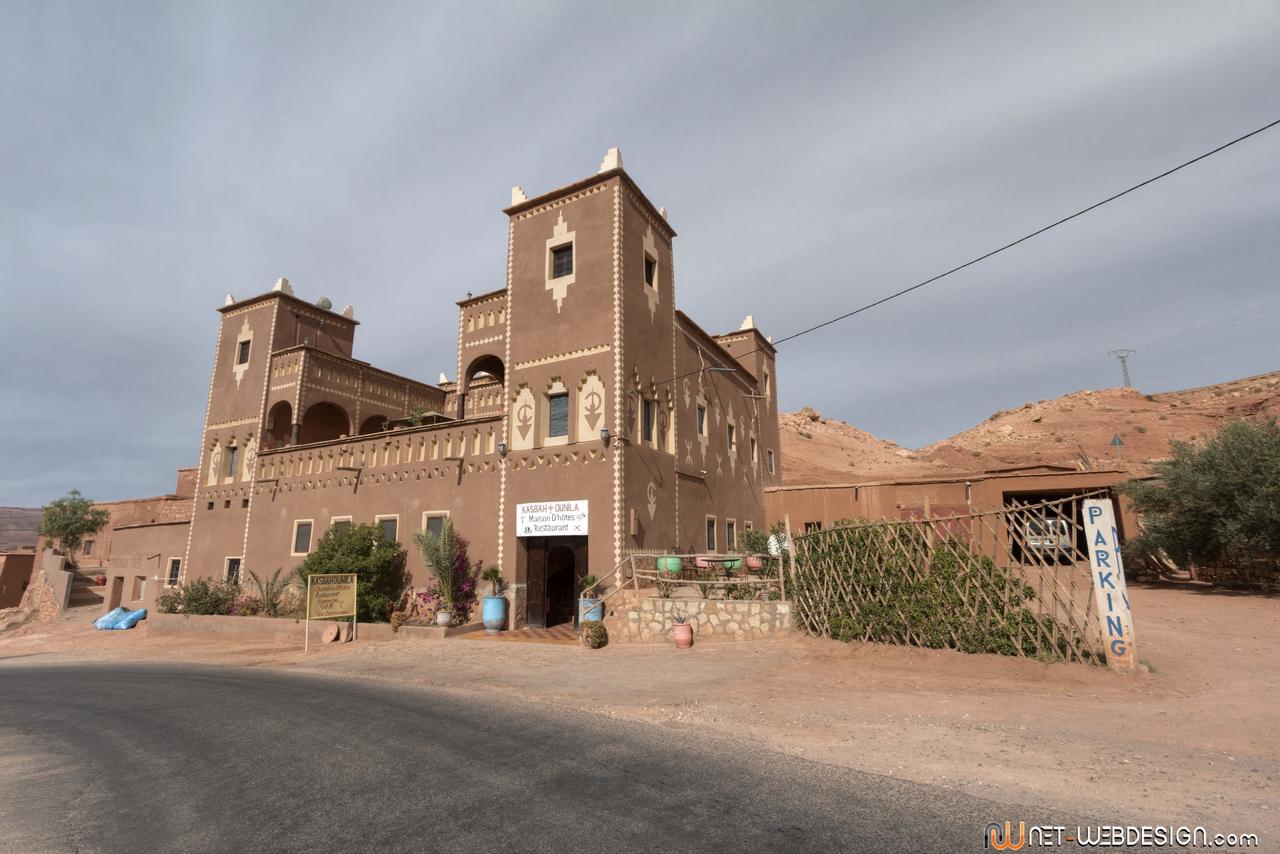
(605, 436)
(502, 449)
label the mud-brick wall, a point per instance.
(650, 620)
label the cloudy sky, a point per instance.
(812, 156)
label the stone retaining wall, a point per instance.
(283, 630)
(650, 620)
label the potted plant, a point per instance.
(440, 554)
(494, 610)
(590, 609)
(681, 631)
(100, 580)
(670, 564)
(755, 562)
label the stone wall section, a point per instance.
(650, 620)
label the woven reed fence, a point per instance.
(1014, 582)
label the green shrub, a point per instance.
(594, 635)
(1215, 501)
(201, 597)
(377, 562)
(963, 602)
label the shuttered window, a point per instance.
(558, 415)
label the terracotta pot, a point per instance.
(100, 580)
(683, 634)
(755, 562)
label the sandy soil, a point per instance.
(1194, 742)
(816, 449)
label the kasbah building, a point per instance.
(579, 384)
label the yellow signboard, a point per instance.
(331, 596)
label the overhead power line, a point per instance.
(983, 257)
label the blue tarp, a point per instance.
(108, 619)
(120, 618)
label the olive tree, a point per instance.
(1215, 500)
(68, 520)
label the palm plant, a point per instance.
(270, 592)
(440, 554)
(493, 575)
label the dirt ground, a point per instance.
(1195, 741)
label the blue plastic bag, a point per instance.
(130, 619)
(108, 620)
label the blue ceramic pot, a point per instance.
(590, 611)
(494, 613)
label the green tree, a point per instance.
(377, 562)
(1215, 500)
(68, 520)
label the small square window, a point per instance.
(210, 507)
(558, 415)
(226, 505)
(650, 271)
(244, 503)
(702, 420)
(389, 526)
(175, 568)
(434, 523)
(562, 261)
(711, 533)
(301, 538)
(242, 353)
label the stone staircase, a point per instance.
(85, 590)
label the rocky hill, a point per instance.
(1074, 430)
(18, 527)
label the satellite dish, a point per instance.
(324, 303)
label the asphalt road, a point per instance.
(168, 758)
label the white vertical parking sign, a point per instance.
(1110, 594)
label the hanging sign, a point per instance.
(552, 518)
(1110, 593)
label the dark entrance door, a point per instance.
(555, 567)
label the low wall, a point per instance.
(650, 620)
(282, 630)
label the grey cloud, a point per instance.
(813, 158)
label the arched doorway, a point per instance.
(373, 424)
(280, 424)
(489, 365)
(324, 421)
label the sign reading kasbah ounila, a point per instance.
(1110, 593)
(331, 595)
(551, 518)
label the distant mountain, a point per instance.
(1064, 431)
(18, 527)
